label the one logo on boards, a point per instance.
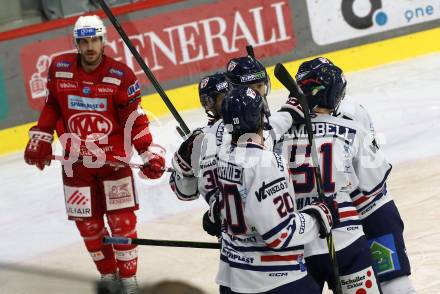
(367, 21)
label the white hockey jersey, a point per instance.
(349, 161)
(366, 204)
(262, 233)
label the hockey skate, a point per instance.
(109, 283)
(130, 285)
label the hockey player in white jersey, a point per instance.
(195, 159)
(379, 215)
(189, 180)
(262, 233)
(348, 159)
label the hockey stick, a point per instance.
(183, 127)
(109, 162)
(286, 79)
(250, 51)
(166, 243)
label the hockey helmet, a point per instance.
(322, 82)
(89, 26)
(243, 108)
(246, 71)
(209, 87)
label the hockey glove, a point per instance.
(154, 162)
(182, 162)
(323, 215)
(211, 219)
(38, 150)
(294, 108)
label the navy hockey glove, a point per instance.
(211, 219)
(294, 108)
(182, 162)
(325, 215)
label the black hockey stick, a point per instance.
(166, 243)
(147, 71)
(286, 79)
(250, 51)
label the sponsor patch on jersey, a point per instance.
(112, 80)
(78, 201)
(119, 194)
(133, 88)
(67, 85)
(384, 253)
(64, 74)
(105, 89)
(271, 189)
(230, 172)
(63, 64)
(89, 126)
(116, 72)
(84, 103)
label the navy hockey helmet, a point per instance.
(246, 71)
(323, 82)
(209, 89)
(243, 108)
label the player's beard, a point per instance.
(92, 57)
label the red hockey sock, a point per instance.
(92, 232)
(124, 225)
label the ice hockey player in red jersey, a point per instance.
(93, 103)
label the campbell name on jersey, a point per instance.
(349, 160)
(262, 234)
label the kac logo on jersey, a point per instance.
(133, 89)
(84, 103)
(90, 126)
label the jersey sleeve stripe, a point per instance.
(378, 186)
(278, 228)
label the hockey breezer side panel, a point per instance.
(166, 243)
(286, 79)
(184, 128)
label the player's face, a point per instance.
(91, 50)
(218, 103)
(260, 88)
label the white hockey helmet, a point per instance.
(89, 26)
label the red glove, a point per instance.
(154, 160)
(39, 148)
